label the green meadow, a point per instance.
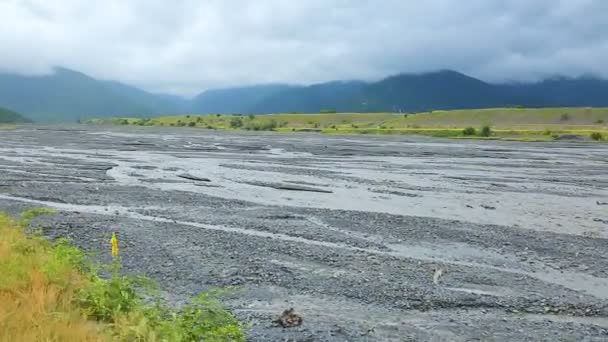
(528, 124)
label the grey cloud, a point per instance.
(184, 46)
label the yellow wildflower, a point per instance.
(114, 242)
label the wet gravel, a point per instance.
(349, 231)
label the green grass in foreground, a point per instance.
(49, 292)
(534, 124)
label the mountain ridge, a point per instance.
(68, 95)
(8, 116)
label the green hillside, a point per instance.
(8, 116)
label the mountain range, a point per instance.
(68, 95)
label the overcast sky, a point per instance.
(184, 46)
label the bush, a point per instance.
(485, 131)
(251, 116)
(180, 123)
(327, 111)
(191, 124)
(124, 122)
(269, 125)
(188, 116)
(565, 117)
(599, 122)
(405, 116)
(50, 292)
(469, 131)
(236, 122)
(597, 136)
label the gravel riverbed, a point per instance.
(367, 238)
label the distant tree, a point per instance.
(218, 115)
(565, 117)
(485, 131)
(327, 111)
(191, 124)
(251, 116)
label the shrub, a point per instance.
(251, 116)
(405, 116)
(50, 292)
(236, 122)
(547, 132)
(199, 119)
(597, 136)
(191, 124)
(565, 117)
(124, 122)
(218, 115)
(469, 131)
(269, 125)
(180, 123)
(327, 111)
(599, 122)
(485, 131)
(187, 116)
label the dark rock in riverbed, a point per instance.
(194, 178)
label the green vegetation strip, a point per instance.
(50, 292)
(540, 124)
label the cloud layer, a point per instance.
(184, 46)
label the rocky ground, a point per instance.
(367, 238)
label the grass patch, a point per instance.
(50, 292)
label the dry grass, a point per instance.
(49, 292)
(37, 291)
